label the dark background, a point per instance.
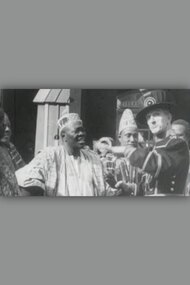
(18, 104)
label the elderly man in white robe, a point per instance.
(68, 169)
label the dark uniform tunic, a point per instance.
(165, 166)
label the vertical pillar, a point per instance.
(40, 126)
(50, 108)
(46, 123)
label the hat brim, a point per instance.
(141, 116)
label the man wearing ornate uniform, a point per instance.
(166, 164)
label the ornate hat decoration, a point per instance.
(154, 99)
(67, 119)
(127, 121)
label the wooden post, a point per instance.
(46, 123)
(51, 104)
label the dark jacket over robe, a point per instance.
(165, 166)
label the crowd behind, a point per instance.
(135, 167)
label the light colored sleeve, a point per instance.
(35, 173)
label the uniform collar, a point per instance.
(163, 142)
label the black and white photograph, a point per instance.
(95, 142)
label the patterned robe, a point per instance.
(14, 154)
(59, 174)
(8, 182)
(119, 169)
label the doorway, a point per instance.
(98, 112)
(18, 104)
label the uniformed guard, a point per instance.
(166, 164)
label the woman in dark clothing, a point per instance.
(8, 182)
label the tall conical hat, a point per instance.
(127, 121)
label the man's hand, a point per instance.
(32, 191)
(127, 188)
(110, 179)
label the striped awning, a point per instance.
(52, 96)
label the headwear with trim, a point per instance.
(154, 99)
(127, 121)
(66, 119)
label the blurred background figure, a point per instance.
(6, 143)
(8, 182)
(181, 129)
(103, 145)
(103, 149)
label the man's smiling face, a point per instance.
(158, 121)
(75, 135)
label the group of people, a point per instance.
(134, 168)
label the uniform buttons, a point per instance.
(172, 189)
(173, 182)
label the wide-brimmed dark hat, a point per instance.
(154, 99)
